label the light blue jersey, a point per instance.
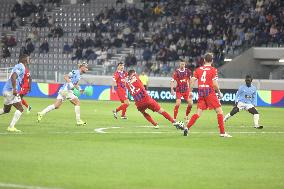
(246, 95)
(75, 77)
(19, 69)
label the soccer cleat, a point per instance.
(258, 127)
(81, 123)
(225, 135)
(123, 117)
(29, 109)
(185, 132)
(13, 130)
(39, 116)
(156, 127)
(114, 114)
(179, 125)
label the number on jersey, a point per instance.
(203, 77)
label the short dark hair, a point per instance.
(130, 72)
(208, 57)
(120, 63)
(248, 77)
(22, 57)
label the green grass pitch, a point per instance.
(57, 154)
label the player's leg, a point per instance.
(220, 119)
(126, 104)
(24, 102)
(189, 106)
(156, 108)
(75, 101)
(178, 102)
(233, 112)
(56, 105)
(255, 114)
(6, 109)
(149, 118)
(16, 117)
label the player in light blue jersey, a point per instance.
(10, 92)
(67, 92)
(246, 100)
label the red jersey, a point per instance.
(26, 80)
(182, 78)
(120, 79)
(137, 90)
(205, 76)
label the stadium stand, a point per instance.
(150, 35)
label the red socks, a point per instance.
(24, 102)
(188, 109)
(168, 117)
(149, 118)
(123, 107)
(221, 123)
(192, 120)
(176, 111)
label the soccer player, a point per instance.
(26, 88)
(246, 100)
(119, 78)
(143, 101)
(182, 77)
(207, 85)
(66, 92)
(10, 94)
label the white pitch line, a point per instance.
(9, 185)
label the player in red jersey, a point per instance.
(119, 77)
(207, 77)
(26, 86)
(182, 77)
(143, 101)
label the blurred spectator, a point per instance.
(130, 60)
(83, 27)
(90, 54)
(144, 79)
(44, 47)
(29, 47)
(5, 52)
(78, 54)
(11, 42)
(67, 49)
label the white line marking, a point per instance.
(9, 185)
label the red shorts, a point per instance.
(209, 102)
(24, 91)
(184, 95)
(121, 95)
(150, 104)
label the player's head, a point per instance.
(25, 59)
(208, 58)
(120, 66)
(248, 80)
(83, 67)
(131, 73)
(182, 64)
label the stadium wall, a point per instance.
(103, 92)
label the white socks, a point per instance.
(48, 109)
(256, 119)
(77, 112)
(227, 117)
(16, 117)
(2, 111)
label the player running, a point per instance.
(26, 88)
(182, 77)
(10, 94)
(207, 85)
(66, 92)
(246, 100)
(143, 101)
(119, 78)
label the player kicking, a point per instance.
(246, 100)
(26, 88)
(143, 101)
(66, 92)
(207, 98)
(119, 78)
(182, 77)
(10, 94)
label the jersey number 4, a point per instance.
(203, 77)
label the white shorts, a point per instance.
(244, 106)
(10, 99)
(66, 94)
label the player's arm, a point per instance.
(68, 80)
(14, 83)
(217, 88)
(113, 83)
(238, 95)
(30, 83)
(172, 86)
(192, 82)
(254, 98)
